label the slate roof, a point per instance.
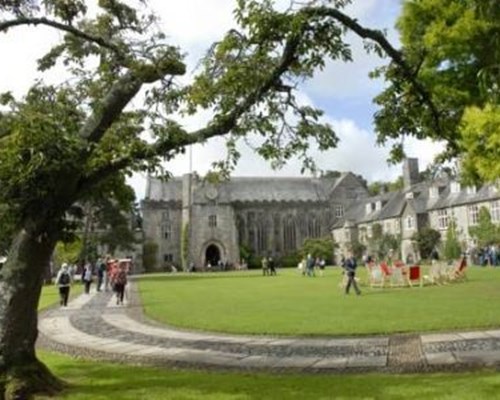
(278, 189)
(421, 202)
(252, 189)
(159, 190)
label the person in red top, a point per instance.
(120, 281)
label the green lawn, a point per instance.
(98, 380)
(290, 304)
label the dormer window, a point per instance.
(471, 190)
(378, 205)
(369, 208)
(433, 192)
(455, 187)
(409, 196)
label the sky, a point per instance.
(343, 91)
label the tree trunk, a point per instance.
(21, 278)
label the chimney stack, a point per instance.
(410, 172)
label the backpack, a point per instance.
(64, 279)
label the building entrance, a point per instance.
(212, 255)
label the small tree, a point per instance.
(357, 248)
(381, 243)
(427, 239)
(319, 247)
(451, 247)
(485, 232)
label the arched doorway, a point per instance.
(212, 255)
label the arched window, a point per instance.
(261, 231)
(240, 226)
(277, 232)
(289, 234)
(313, 227)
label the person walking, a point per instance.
(63, 282)
(265, 266)
(310, 265)
(87, 277)
(272, 266)
(350, 268)
(120, 280)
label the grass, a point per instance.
(290, 304)
(98, 380)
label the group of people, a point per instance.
(110, 273)
(310, 264)
(268, 266)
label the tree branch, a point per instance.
(378, 37)
(220, 124)
(5, 25)
(122, 91)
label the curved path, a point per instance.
(93, 326)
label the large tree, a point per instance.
(454, 47)
(62, 144)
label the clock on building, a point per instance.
(211, 192)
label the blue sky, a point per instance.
(343, 91)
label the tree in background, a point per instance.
(451, 246)
(357, 248)
(427, 239)
(149, 256)
(454, 47)
(485, 232)
(379, 187)
(319, 247)
(380, 243)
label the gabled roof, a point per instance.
(251, 189)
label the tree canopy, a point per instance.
(454, 49)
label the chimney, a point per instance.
(410, 172)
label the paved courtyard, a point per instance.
(93, 326)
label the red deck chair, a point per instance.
(458, 273)
(415, 275)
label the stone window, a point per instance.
(168, 257)
(289, 234)
(261, 235)
(473, 214)
(167, 231)
(387, 226)
(347, 235)
(339, 211)
(212, 221)
(495, 211)
(314, 227)
(442, 219)
(241, 229)
(277, 236)
(455, 187)
(410, 222)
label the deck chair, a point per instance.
(437, 274)
(397, 275)
(459, 272)
(376, 277)
(415, 275)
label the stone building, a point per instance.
(191, 220)
(419, 204)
